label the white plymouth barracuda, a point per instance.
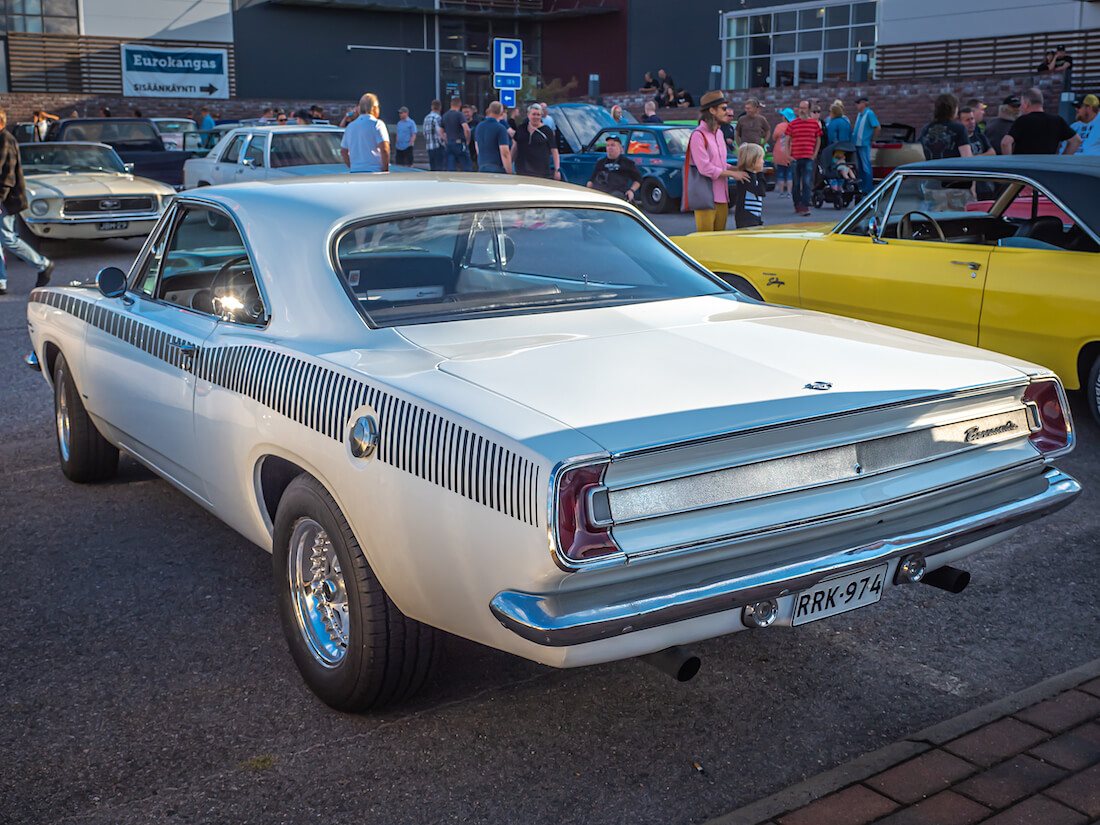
(84, 190)
(512, 410)
(261, 152)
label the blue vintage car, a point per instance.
(657, 149)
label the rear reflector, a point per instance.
(1052, 427)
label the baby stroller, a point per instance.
(835, 179)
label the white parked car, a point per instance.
(173, 130)
(512, 410)
(83, 190)
(261, 152)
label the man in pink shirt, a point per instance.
(707, 153)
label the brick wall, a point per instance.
(894, 101)
(20, 106)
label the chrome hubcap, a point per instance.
(62, 415)
(318, 593)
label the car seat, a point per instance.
(1045, 228)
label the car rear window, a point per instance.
(305, 149)
(488, 263)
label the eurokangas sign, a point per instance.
(151, 71)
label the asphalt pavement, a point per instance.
(146, 680)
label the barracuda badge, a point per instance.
(818, 385)
(975, 434)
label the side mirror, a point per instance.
(249, 162)
(129, 167)
(111, 282)
(874, 229)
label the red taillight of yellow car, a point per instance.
(1051, 426)
(583, 534)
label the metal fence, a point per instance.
(68, 63)
(975, 57)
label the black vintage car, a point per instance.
(136, 140)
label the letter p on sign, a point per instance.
(507, 56)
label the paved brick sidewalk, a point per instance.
(1030, 758)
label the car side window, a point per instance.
(255, 151)
(146, 281)
(872, 208)
(643, 143)
(206, 268)
(233, 150)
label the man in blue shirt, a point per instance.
(863, 135)
(207, 122)
(493, 144)
(1087, 125)
(406, 136)
(365, 146)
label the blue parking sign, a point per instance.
(508, 98)
(507, 56)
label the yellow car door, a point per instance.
(925, 286)
(1042, 305)
(905, 259)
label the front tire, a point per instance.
(352, 645)
(1092, 389)
(85, 455)
(654, 196)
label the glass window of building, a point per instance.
(800, 43)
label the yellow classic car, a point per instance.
(998, 252)
(83, 190)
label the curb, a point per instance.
(866, 766)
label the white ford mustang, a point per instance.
(513, 411)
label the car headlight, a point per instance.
(40, 207)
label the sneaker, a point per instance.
(44, 275)
(3, 287)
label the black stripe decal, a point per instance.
(412, 438)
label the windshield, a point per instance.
(119, 134)
(305, 149)
(176, 126)
(677, 140)
(42, 158)
(509, 262)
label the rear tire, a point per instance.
(1092, 389)
(654, 196)
(85, 455)
(352, 645)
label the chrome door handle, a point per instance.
(968, 264)
(186, 352)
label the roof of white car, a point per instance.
(282, 128)
(336, 199)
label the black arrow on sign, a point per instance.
(208, 89)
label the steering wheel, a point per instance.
(905, 226)
(251, 309)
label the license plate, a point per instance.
(106, 226)
(839, 595)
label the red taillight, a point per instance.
(578, 538)
(1052, 431)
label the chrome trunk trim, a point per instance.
(577, 617)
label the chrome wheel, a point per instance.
(317, 592)
(61, 393)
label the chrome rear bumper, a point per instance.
(576, 617)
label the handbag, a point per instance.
(698, 188)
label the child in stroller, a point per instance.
(835, 181)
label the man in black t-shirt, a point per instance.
(978, 143)
(616, 175)
(535, 148)
(1037, 133)
(455, 132)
